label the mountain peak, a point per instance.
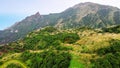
(37, 14)
(93, 5)
(86, 3)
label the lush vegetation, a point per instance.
(47, 59)
(115, 29)
(71, 48)
(110, 56)
(42, 49)
(13, 66)
(44, 39)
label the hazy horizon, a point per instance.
(12, 11)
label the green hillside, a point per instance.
(55, 48)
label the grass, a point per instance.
(76, 64)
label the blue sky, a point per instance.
(12, 11)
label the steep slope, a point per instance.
(90, 15)
(19, 29)
(22, 28)
(81, 15)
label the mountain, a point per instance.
(91, 15)
(81, 15)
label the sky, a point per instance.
(12, 11)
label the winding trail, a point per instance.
(13, 61)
